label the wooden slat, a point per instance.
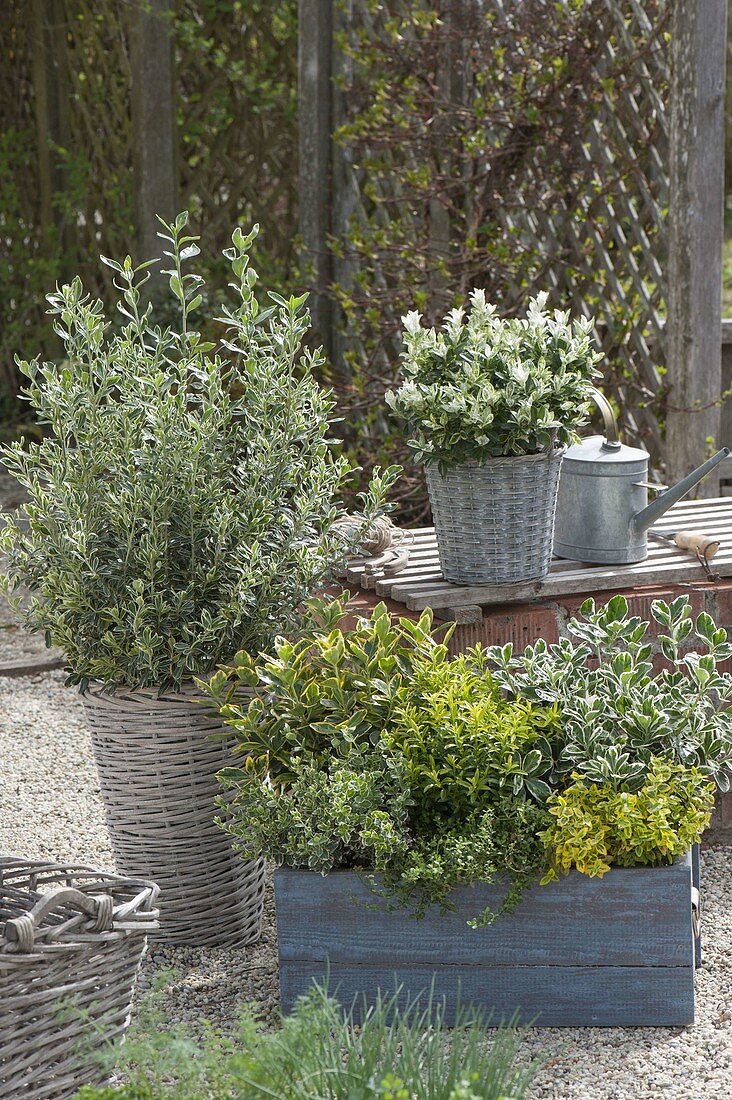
(544, 996)
(602, 580)
(640, 915)
(695, 232)
(315, 118)
(700, 508)
(405, 583)
(31, 666)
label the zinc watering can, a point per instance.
(603, 512)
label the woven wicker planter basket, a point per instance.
(495, 522)
(157, 770)
(71, 940)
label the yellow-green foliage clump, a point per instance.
(596, 826)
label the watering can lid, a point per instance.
(605, 448)
(595, 448)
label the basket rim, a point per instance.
(188, 690)
(9, 861)
(134, 906)
(500, 460)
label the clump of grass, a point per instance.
(321, 1053)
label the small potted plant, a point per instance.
(488, 795)
(181, 507)
(491, 404)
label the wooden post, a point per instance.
(51, 95)
(154, 139)
(315, 117)
(698, 54)
(344, 186)
(450, 92)
(728, 113)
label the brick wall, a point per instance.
(524, 623)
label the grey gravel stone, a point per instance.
(50, 807)
(16, 644)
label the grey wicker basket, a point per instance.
(495, 522)
(71, 941)
(157, 767)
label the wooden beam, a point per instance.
(31, 666)
(154, 134)
(344, 185)
(315, 117)
(49, 61)
(450, 92)
(698, 54)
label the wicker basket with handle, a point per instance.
(495, 522)
(71, 941)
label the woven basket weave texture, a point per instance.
(495, 522)
(157, 770)
(66, 985)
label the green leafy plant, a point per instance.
(395, 1053)
(324, 693)
(352, 812)
(462, 743)
(183, 503)
(370, 748)
(596, 826)
(485, 386)
(236, 104)
(617, 714)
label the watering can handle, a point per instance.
(608, 418)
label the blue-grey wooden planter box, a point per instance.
(616, 951)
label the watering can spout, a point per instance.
(647, 517)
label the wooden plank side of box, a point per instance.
(546, 996)
(638, 916)
(616, 951)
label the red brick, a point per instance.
(520, 624)
(571, 604)
(721, 603)
(640, 600)
(362, 603)
(660, 664)
(640, 604)
(720, 827)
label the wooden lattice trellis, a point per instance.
(629, 233)
(593, 232)
(606, 246)
(236, 79)
(70, 174)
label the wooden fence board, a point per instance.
(545, 996)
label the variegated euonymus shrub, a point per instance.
(596, 826)
(485, 386)
(182, 503)
(618, 715)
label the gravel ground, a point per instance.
(50, 807)
(17, 644)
